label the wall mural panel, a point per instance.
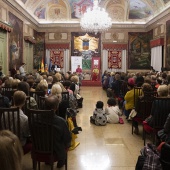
(79, 7)
(15, 42)
(39, 49)
(52, 10)
(86, 45)
(139, 50)
(24, 1)
(166, 1)
(139, 10)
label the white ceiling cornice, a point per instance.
(75, 23)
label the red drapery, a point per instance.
(157, 42)
(114, 46)
(57, 56)
(6, 27)
(114, 59)
(57, 46)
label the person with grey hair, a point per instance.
(162, 92)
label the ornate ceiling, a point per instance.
(119, 10)
(70, 11)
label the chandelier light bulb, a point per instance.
(95, 20)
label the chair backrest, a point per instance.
(36, 95)
(10, 120)
(160, 111)
(41, 103)
(41, 128)
(148, 100)
(8, 92)
(64, 104)
(65, 96)
(2, 103)
(165, 156)
(124, 88)
(137, 92)
(27, 105)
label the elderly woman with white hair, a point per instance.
(56, 90)
(42, 86)
(163, 93)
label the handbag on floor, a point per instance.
(121, 121)
(132, 114)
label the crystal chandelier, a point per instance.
(95, 20)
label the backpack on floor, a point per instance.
(100, 120)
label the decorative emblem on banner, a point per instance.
(57, 56)
(114, 59)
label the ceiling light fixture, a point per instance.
(95, 20)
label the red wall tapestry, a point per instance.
(115, 59)
(58, 57)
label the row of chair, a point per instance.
(41, 130)
(150, 105)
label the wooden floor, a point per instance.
(110, 147)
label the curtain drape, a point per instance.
(105, 62)
(66, 61)
(156, 58)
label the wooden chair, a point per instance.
(8, 92)
(143, 108)
(64, 104)
(165, 156)
(10, 120)
(137, 92)
(2, 103)
(27, 105)
(41, 103)
(36, 95)
(42, 131)
(160, 110)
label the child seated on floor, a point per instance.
(112, 111)
(99, 116)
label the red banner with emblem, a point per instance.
(57, 57)
(95, 69)
(115, 59)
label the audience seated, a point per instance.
(62, 136)
(10, 151)
(112, 111)
(74, 85)
(140, 106)
(24, 86)
(129, 97)
(162, 92)
(116, 85)
(42, 86)
(5, 103)
(19, 101)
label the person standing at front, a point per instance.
(22, 70)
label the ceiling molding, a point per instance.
(74, 23)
